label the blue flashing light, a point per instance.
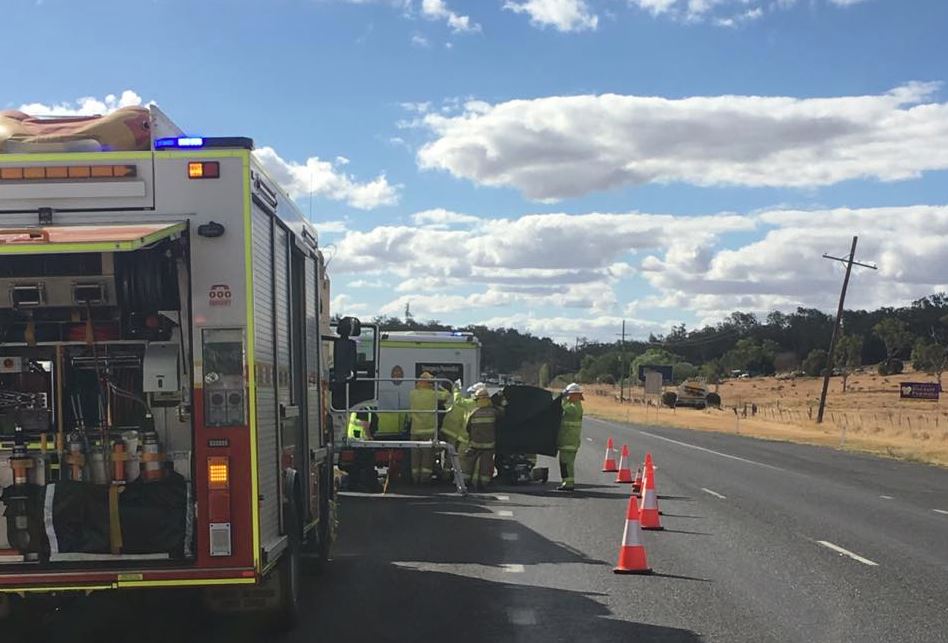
(182, 141)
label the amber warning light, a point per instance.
(218, 472)
(204, 170)
(68, 172)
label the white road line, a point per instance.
(505, 514)
(510, 536)
(501, 497)
(940, 511)
(723, 455)
(589, 439)
(846, 552)
(714, 493)
(513, 568)
(521, 616)
(886, 497)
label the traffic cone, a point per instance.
(637, 483)
(650, 513)
(632, 559)
(625, 474)
(609, 462)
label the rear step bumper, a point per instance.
(97, 581)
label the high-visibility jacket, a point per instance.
(423, 423)
(454, 427)
(482, 427)
(391, 423)
(571, 427)
(356, 429)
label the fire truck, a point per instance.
(165, 355)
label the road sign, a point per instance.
(919, 390)
(653, 383)
(664, 369)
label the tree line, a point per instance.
(781, 342)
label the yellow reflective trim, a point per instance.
(203, 153)
(188, 583)
(390, 343)
(251, 361)
(98, 246)
(73, 156)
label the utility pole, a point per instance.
(622, 372)
(850, 262)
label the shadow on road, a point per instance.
(407, 568)
(409, 605)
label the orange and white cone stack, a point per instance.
(609, 462)
(632, 559)
(625, 473)
(650, 514)
(637, 483)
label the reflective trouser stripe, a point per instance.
(568, 466)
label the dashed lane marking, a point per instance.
(714, 493)
(589, 439)
(846, 552)
(503, 498)
(940, 511)
(886, 497)
(509, 536)
(520, 616)
(723, 455)
(513, 568)
(505, 514)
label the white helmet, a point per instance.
(474, 388)
(573, 388)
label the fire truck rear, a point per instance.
(164, 354)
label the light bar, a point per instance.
(198, 142)
(181, 141)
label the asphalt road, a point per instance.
(764, 541)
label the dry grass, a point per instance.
(869, 417)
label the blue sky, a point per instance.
(553, 165)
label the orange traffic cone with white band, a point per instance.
(625, 474)
(637, 483)
(609, 462)
(632, 559)
(650, 514)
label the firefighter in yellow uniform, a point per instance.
(423, 404)
(568, 439)
(454, 428)
(482, 431)
(363, 472)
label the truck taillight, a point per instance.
(218, 502)
(218, 473)
(204, 170)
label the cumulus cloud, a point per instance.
(562, 15)
(784, 269)
(724, 13)
(565, 261)
(567, 329)
(86, 106)
(567, 146)
(326, 179)
(438, 10)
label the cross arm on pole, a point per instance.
(846, 260)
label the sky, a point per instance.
(555, 166)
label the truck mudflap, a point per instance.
(263, 597)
